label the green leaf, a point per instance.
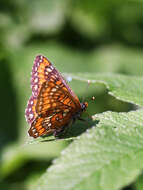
(65, 60)
(108, 156)
(125, 88)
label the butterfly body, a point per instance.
(53, 105)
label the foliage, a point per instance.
(88, 40)
(107, 156)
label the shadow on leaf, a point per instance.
(72, 131)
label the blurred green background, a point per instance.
(77, 36)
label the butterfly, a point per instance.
(53, 105)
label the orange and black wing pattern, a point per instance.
(55, 106)
(52, 103)
(54, 95)
(53, 121)
(38, 77)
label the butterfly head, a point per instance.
(84, 106)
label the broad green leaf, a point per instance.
(125, 88)
(107, 156)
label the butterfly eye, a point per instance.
(84, 106)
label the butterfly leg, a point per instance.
(84, 120)
(58, 132)
(81, 119)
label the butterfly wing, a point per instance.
(39, 73)
(51, 98)
(43, 71)
(54, 95)
(38, 77)
(55, 107)
(30, 111)
(53, 121)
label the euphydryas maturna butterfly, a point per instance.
(53, 105)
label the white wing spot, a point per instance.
(34, 130)
(31, 116)
(46, 85)
(66, 110)
(31, 102)
(36, 134)
(52, 67)
(36, 80)
(38, 64)
(29, 109)
(36, 74)
(36, 87)
(49, 70)
(64, 114)
(54, 89)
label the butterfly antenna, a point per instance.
(83, 97)
(89, 99)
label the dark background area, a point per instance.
(77, 36)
